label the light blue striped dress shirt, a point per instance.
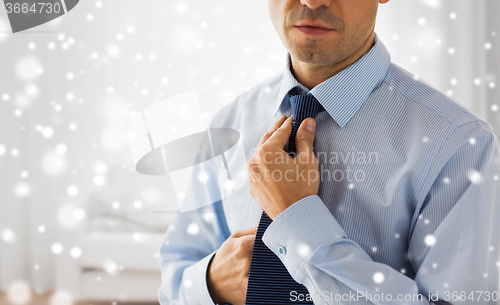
(407, 204)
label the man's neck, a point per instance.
(310, 76)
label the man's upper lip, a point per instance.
(314, 24)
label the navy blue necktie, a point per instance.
(269, 281)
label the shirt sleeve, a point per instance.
(191, 241)
(452, 246)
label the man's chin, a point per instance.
(313, 56)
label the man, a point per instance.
(404, 210)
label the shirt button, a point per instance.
(282, 250)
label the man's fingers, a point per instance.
(247, 242)
(305, 137)
(248, 239)
(268, 134)
(243, 232)
(281, 135)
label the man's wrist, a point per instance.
(216, 298)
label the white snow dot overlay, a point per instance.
(303, 250)
(72, 190)
(76, 252)
(430, 240)
(203, 177)
(57, 248)
(193, 229)
(474, 177)
(378, 277)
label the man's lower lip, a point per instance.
(313, 31)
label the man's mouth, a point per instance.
(314, 24)
(313, 30)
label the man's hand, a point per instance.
(227, 275)
(276, 179)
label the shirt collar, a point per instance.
(342, 94)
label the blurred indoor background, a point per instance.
(77, 223)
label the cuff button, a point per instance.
(282, 250)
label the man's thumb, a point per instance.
(305, 136)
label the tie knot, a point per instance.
(304, 106)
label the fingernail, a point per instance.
(310, 125)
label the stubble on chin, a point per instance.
(320, 54)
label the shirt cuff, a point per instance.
(194, 282)
(296, 233)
